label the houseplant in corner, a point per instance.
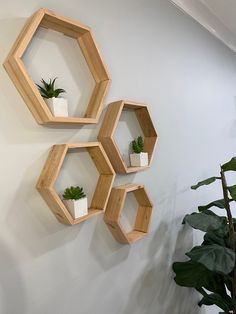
(138, 158)
(211, 268)
(56, 104)
(75, 201)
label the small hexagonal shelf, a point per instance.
(107, 131)
(114, 209)
(25, 84)
(51, 171)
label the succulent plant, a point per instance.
(138, 145)
(48, 90)
(73, 193)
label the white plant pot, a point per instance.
(77, 208)
(58, 106)
(139, 160)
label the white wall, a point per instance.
(154, 54)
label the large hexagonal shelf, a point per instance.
(107, 131)
(51, 171)
(114, 209)
(25, 84)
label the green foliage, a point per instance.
(230, 165)
(210, 268)
(138, 145)
(73, 193)
(204, 182)
(195, 275)
(214, 257)
(48, 89)
(218, 203)
(205, 221)
(232, 191)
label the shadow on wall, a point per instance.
(155, 291)
(12, 294)
(106, 251)
(34, 225)
(232, 132)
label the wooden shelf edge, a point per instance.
(91, 214)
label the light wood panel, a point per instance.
(114, 210)
(108, 128)
(26, 86)
(51, 171)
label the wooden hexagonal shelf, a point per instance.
(107, 131)
(114, 209)
(51, 171)
(25, 84)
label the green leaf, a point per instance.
(214, 257)
(218, 203)
(58, 91)
(48, 90)
(204, 221)
(73, 193)
(195, 275)
(138, 145)
(230, 165)
(204, 182)
(217, 237)
(225, 303)
(53, 83)
(232, 191)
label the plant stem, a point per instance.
(231, 227)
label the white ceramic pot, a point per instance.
(77, 208)
(139, 160)
(58, 106)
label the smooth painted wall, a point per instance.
(155, 54)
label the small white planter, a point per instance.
(58, 106)
(139, 160)
(77, 208)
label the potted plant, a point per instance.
(211, 267)
(56, 104)
(138, 158)
(76, 201)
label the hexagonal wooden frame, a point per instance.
(51, 171)
(26, 86)
(114, 209)
(107, 131)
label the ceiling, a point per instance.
(217, 16)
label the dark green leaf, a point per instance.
(48, 90)
(218, 203)
(204, 182)
(225, 303)
(196, 275)
(73, 193)
(138, 145)
(215, 237)
(58, 91)
(232, 191)
(53, 82)
(214, 257)
(230, 166)
(204, 221)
